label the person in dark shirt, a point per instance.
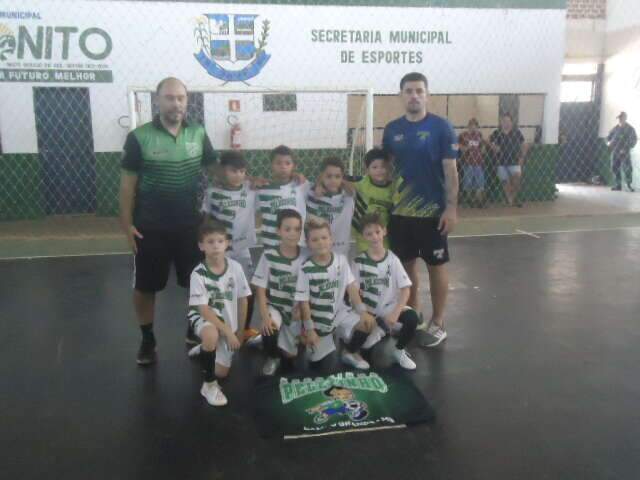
(622, 138)
(159, 209)
(424, 148)
(507, 144)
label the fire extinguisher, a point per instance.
(235, 133)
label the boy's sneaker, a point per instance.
(401, 356)
(191, 338)
(195, 351)
(146, 353)
(422, 325)
(433, 336)
(213, 394)
(355, 360)
(271, 366)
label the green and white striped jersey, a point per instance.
(379, 282)
(324, 286)
(278, 275)
(273, 198)
(337, 210)
(220, 292)
(236, 210)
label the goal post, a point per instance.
(312, 121)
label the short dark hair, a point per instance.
(507, 114)
(329, 391)
(373, 218)
(473, 120)
(375, 154)
(332, 162)
(315, 223)
(414, 77)
(233, 159)
(166, 80)
(287, 213)
(281, 150)
(210, 226)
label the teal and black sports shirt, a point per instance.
(169, 173)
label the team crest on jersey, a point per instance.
(192, 148)
(398, 138)
(228, 46)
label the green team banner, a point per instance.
(299, 407)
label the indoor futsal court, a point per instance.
(537, 379)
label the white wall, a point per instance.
(320, 120)
(585, 40)
(622, 70)
(491, 51)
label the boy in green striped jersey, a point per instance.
(334, 205)
(233, 204)
(275, 284)
(374, 193)
(285, 190)
(322, 282)
(384, 286)
(217, 309)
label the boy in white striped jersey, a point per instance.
(335, 205)
(284, 191)
(384, 286)
(275, 284)
(322, 282)
(218, 309)
(232, 202)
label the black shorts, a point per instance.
(413, 237)
(158, 250)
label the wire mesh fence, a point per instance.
(322, 78)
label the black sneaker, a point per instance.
(617, 188)
(146, 353)
(631, 189)
(191, 338)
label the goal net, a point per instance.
(315, 123)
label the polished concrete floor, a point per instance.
(577, 207)
(538, 380)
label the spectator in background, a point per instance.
(507, 144)
(472, 160)
(621, 139)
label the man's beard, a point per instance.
(173, 117)
(414, 108)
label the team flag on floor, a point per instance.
(299, 407)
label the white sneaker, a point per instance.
(213, 394)
(254, 341)
(194, 351)
(355, 360)
(433, 336)
(404, 360)
(271, 366)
